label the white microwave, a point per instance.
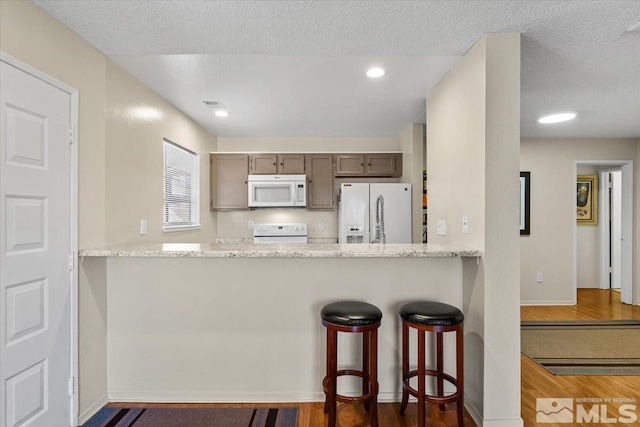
(269, 191)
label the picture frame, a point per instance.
(525, 203)
(587, 199)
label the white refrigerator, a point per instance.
(374, 213)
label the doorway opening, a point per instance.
(613, 254)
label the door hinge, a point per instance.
(71, 134)
(71, 386)
(72, 260)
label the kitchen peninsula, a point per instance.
(240, 322)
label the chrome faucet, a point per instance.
(380, 236)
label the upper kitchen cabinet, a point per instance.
(276, 164)
(349, 164)
(229, 181)
(386, 164)
(320, 181)
(375, 164)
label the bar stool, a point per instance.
(354, 317)
(428, 316)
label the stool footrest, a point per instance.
(350, 399)
(428, 397)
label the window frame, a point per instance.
(193, 199)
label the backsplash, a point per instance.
(234, 224)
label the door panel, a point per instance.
(35, 281)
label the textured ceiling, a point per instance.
(295, 69)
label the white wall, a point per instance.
(549, 248)
(473, 128)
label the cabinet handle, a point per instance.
(281, 164)
(369, 164)
(361, 164)
(310, 181)
(274, 164)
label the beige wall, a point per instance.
(30, 35)
(472, 161)
(636, 216)
(137, 121)
(411, 142)
(549, 248)
(113, 156)
(301, 145)
(588, 246)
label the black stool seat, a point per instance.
(352, 317)
(351, 313)
(433, 318)
(431, 313)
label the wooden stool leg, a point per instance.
(421, 379)
(460, 374)
(332, 368)
(405, 366)
(440, 366)
(366, 348)
(373, 376)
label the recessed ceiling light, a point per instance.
(634, 27)
(222, 113)
(557, 117)
(375, 72)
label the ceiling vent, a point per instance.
(214, 104)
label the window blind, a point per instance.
(181, 206)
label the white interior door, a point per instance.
(35, 187)
(616, 229)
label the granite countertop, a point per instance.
(250, 250)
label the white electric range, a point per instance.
(280, 233)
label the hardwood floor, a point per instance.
(592, 304)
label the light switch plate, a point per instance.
(143, 226)
(321, 225)
(441, 227)
(250, 225)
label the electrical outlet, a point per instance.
(321, 225)
(539, 277)
(465, 224)
(250, 225)
(143, 226)
(441, 227)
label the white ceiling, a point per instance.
(296, 69)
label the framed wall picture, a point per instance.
(587, 200)
(525, 203)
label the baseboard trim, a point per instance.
(240, 397)
(515, 422)
(527, 303)
(473, 412)
(92, 410)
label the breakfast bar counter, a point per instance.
(250, 250)
(241, 322)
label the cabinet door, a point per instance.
(290, 163)
(349, 164)
(384, 164)
(265, 164)
(229, 181)
(320, 181)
